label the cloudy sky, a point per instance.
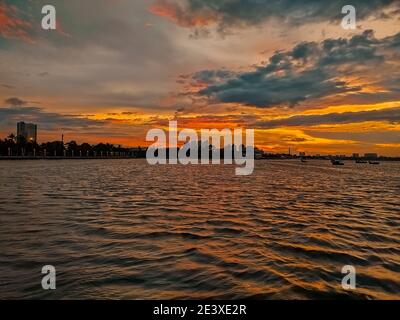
(113, 69)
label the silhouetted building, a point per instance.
(371, 155)
(27, 130)
(356, 155)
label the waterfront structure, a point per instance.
(371, 155)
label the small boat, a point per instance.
(303, 160)
(337, 162)
(374, 162)
(361, 161)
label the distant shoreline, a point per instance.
(21, 158)
(65, 158)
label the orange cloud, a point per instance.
(12, 27)
(177, 14)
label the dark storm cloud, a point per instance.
(211, 76)
(310, 70)
(391, 115)
(257, 90)
(360, 49)
(9, 116)
(15, 102)
(230, 13)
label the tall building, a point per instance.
(27, 130)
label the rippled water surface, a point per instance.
(124, 229)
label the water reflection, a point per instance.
(124, 229)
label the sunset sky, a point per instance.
(114, 69)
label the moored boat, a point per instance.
(337, 162)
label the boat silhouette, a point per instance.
(337, 162)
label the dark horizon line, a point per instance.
(120, 146)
